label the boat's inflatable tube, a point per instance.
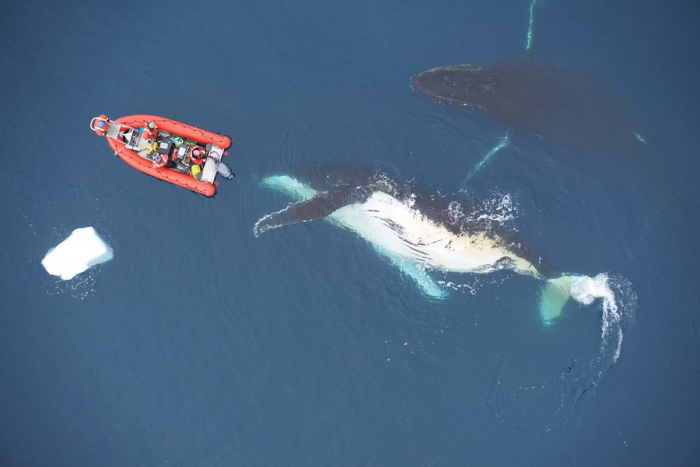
(203, 137)
(173, 126)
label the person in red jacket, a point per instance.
(150, 132)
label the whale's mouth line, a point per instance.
(417, 86)
(440, 97)
(433, 95)
(451, 101)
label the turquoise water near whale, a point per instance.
(198, 344)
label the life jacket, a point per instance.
(196, 171)
(163, 160)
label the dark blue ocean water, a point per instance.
(199, 344)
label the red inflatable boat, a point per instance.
(167, 149)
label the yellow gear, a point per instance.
(196, 170)
(152, 148)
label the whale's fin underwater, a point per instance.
(569, 108)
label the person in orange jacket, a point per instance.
(150, 131)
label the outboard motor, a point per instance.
(224, 170)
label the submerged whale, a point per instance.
(416, 231)
(571, 109)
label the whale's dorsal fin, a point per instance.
(318, 207)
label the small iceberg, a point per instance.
(82, 250)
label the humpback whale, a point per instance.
(571, 109)
(415, 230)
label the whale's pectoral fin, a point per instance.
(422, 278)
(318, 207)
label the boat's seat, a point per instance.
(113, 131)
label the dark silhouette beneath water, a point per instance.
(570, 109)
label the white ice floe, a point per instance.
(80, 251)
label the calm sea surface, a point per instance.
(199, 344)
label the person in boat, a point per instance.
(197, 155)
(150, 131)
(160, 160)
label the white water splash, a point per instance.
(499, 209)
(586, 289)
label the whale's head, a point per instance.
(467, 87)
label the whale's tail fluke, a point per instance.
(570, 371)
(616, 293)
(554, 296)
